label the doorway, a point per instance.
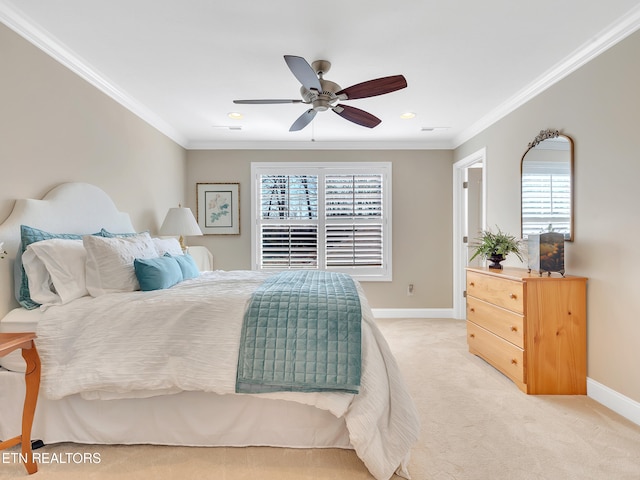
(469, 218)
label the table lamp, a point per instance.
(180, 221)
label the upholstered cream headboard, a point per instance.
(68, 208)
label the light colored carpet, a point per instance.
(476, 425)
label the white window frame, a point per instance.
(372, 274)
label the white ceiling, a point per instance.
(179, 64)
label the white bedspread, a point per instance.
(186, 338)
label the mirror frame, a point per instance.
(541, 137)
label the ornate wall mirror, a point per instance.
(547, 185)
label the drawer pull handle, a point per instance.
(514, 361)
(472, 336)
(472, 309)
(472, 284)
(513, 295)
(514, 328)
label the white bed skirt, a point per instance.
(187, 418)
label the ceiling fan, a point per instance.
(324, 94)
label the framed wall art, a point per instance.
(218, 208)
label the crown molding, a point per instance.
(610, 36)
(319, 145)
(43, 40)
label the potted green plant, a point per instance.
(495, 247)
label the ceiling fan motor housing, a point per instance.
(324, 99)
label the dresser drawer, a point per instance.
(504, 323)
(499, 291)
(503, 355)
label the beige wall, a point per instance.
(422, 222)
(55, 128)
(599, 107)
(58, 128)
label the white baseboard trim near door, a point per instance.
(613, 400)
(412, 312)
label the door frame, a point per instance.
(460, 217)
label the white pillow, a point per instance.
(168, 245)
(64, 261)
(110, 262)
(40, 283)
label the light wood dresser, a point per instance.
(531, 328)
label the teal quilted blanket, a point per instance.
(301, 333)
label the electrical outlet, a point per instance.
(410, 289)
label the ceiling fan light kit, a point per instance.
(324, 94)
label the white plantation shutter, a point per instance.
(353, 210)
(354, 245)
(285, 246)
(323, 216)
(289, 196)
(353, 195)
(546, 198)
(285, 202)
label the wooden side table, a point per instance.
(25, 341)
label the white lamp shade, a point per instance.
(180, 221)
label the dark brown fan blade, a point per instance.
(266, 101)
(371, 88)
(303, 120)
(356, 115)
(303, 72)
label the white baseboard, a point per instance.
(613, 400)
(412, 312)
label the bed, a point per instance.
(112, 372)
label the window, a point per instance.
(328, 216)
(546, 198)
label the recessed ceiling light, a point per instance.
(235, 115)
(407, 115)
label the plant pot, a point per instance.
(495, 261)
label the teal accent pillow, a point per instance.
(157, 273)
(187, 265)
(31, 235)
(108, 234)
